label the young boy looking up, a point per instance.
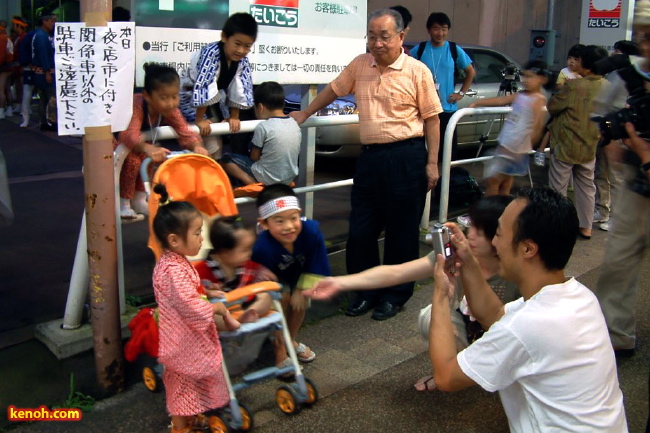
(289, 247)
(219, 81)
(276, 143)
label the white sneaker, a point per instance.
(139, 203)
(17, 109)
(25, 123)
(464, 220)
(599, 218)
(2, 113)
(605, 226)
(9, 112)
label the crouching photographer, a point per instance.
(627, 117)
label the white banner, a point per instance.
(604, 22)
(92, 63)
(274, 57)
(298, 42)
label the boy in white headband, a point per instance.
(289, 247)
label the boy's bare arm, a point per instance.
(494, 102)
(256, 153)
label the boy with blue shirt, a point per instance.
(442, 57)
(289, 247)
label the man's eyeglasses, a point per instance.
(383, 39)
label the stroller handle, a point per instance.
(240, 295)
(144, 169)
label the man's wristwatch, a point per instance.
(461, 93)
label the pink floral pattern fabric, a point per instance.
(189, 342)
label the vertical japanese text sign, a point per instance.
(94, 75)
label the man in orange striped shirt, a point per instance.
(398, 107)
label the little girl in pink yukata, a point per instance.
(189, 345)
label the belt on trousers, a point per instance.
(381, 146)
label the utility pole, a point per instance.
(99, 194)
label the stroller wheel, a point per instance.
(150, 379)
(312, 392)
(217, 425)
(245, 416)
(286, 399)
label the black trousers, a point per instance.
(444, 121)
(388, 194)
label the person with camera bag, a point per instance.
(449, 64)
(628, 238)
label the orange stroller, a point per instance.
(201, 181)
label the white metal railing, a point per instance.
(79, 279)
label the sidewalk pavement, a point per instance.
(364, 369)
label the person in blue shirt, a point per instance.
(289, 247)
(438, 55)
(43, 67)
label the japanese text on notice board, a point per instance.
(94, 75)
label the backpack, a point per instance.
(459, 74)
(463, 188)
(25, 49)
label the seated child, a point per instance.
(289, 247)
(189, 346)
(156, 106)
(275, 147)
(229, 266)
(219, 81)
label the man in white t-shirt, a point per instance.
(548, 353)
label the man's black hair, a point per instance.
(240, 22)
(273, 191)
(549, 220)
(591, 54)
(406, 15)
(270, 94)
(629, 48)
(439, 18)
(575, 51)
(485, 213)
(156, 75)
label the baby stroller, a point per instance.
(201, 181)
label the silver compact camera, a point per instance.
(441, 240)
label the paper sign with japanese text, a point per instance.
(94, 75)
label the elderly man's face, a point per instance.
(384, 43)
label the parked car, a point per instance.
(343, 141)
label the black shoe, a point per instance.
(359, 307)
(624, 353)
(385, 310)
(49, 127)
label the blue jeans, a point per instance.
(243, 162)
(388, 194)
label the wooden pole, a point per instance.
(99, 192)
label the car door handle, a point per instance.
(471, 92)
